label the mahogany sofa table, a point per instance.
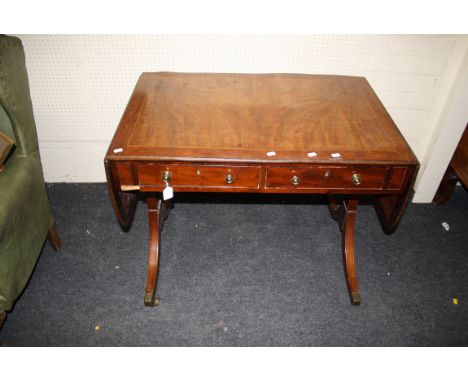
(259, 133)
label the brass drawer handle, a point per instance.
(229, 178)
(356, 179)
(295, 180)
(166, 176)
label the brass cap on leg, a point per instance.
(151, 301)
(355, 299)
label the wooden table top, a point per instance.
(242, 117)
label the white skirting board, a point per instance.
(73, 161)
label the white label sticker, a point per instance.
(168, 192)
(336, 155)
(312, 154)
(119, 150)
(271, 153)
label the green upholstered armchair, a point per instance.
(25, 216)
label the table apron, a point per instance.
(314, 179)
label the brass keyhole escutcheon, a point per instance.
(166, 176)
(356, 179)
(295, 180)
(229, 178)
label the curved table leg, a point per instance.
(124, 202)
(348, 250)
(344, 212)
(157, 212)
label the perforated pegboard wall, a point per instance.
(80, 84)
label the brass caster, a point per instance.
(151, 301)
(355, 299)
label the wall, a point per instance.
(454, 119)
(80, 84)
